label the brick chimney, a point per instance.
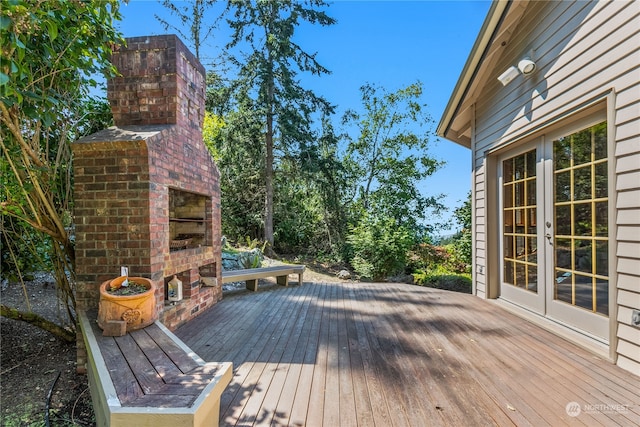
(161, 83)
(149, 180)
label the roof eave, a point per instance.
(482, 43)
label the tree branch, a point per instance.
(13, 124)
(39, 321)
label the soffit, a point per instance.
(501, 22)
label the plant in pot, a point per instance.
(126, 304)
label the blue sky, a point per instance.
(387, 43)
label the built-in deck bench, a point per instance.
(251, 276)
(149, 377)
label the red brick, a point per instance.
(120, 184)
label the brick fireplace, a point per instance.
(147, 192)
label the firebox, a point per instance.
(188, 219)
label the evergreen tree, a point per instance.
(193, 14)
(268, 74)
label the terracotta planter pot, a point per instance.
(137, 310)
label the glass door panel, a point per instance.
(580, 276)
(519, 198)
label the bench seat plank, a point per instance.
(145, 373)
(133, 382)
(156, 355)
(180, 389)
(183, 361)
(148, 369)
(259, 273)
(195, 379)
(124, 380)
(162, 401)
(251, 275)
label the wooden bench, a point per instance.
(251, 276)
(150, 377)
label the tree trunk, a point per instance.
(268, 178)
(268, 203)
(40, 322)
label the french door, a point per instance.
(555, 228)
(522, 266)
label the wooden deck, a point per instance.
(362, 354)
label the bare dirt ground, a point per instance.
(31, 359)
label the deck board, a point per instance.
(292, 362)
(372, 381)
(315, 411)
(308, 356)
(367, 354)
(279, 398)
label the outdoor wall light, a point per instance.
(506, 77)
(526, 66)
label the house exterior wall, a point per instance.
(588, 60)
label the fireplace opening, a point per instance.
(189, 215)
(208, 274)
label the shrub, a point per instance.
(446, 259)
(380, 247)
(24, 250)
(462, 251)
(444, 280)
(251, 259)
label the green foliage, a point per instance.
(326, 179)
(218, 97)
(251, 259)
(384, 164)
(267, 78)
(281, 177)
(453, 253)
(192, 14)
(380, 247)
(389, 157)
(255, 244)
(462, 250)
(443, 279)
(297, 210)
(463, 241)
(463, 213)
(212, 133)
(240, 158)
(309, 209)
(432, 259)
(24, 250)
(50, 51)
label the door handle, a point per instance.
(549, 238)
